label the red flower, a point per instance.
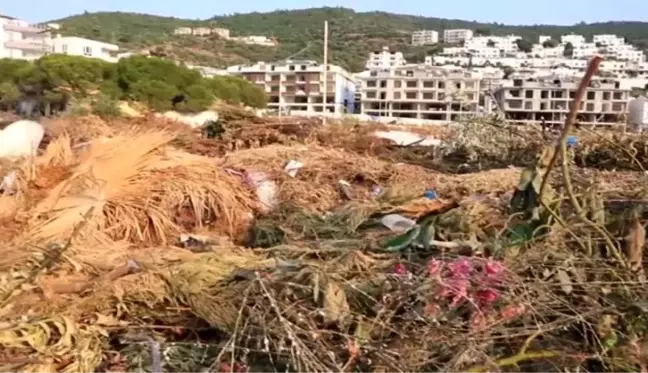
(400, 270)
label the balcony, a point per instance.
(25, 29)
(27, 45)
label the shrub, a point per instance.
(151, 80)
(105, 107)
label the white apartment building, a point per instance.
(76, 46)
(505, 44)
(299, 85)
(454, 36)
(422, 92)
(543, 38)
(608, 40)
(538, 51)
(585, 50)
(425, 37)
(548, 98)
(20, 40)
(573, 39)
(385, 59)
(256, 40)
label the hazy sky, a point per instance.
(503, 11)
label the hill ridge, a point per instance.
(353, 34)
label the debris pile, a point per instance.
(260, 244)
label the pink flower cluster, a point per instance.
(462, 280)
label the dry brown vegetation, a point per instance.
(93, 277)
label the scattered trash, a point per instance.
(408, 138)
(430, 194)
(194, 243)
(377, 191)
(398, 223)
(292, 167)
(266, 190)
(193, 121)
(8, 184)
(21, 138)
(345, 188)
(571, 141)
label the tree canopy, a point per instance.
(524, 45)
(353, 35)
(155, 81)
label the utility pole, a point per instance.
(325, 90)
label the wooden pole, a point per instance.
(325, 89)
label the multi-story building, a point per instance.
(504, 44)
(299, 85)
(422, 92)
(20, 40)
(607, 40)
(76, 46)
(573, 39)
(425, 37)
(543, 38)
(454, 36)
(385, 59)
(548, 98)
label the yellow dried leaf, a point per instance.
(634, 244)
(565, 281)
(336, 307)
(108, 320)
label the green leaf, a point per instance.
(402, 241)
(520, 234)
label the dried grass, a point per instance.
(327, 298)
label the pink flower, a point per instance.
(493, 268)
(400, 270)
(487, 296)
(457, 289)
(513, 311)
(461, 267)
(434, 267)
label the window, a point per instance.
(528, 94)
(64, 48)
(87, 51)
(591, 96)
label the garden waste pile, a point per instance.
(288, 245)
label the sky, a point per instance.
(560, 12)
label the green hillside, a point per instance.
(352, 34)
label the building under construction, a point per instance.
(536, 99)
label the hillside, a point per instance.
(352, 34)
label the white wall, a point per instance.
(33, 38)
(84, 47)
